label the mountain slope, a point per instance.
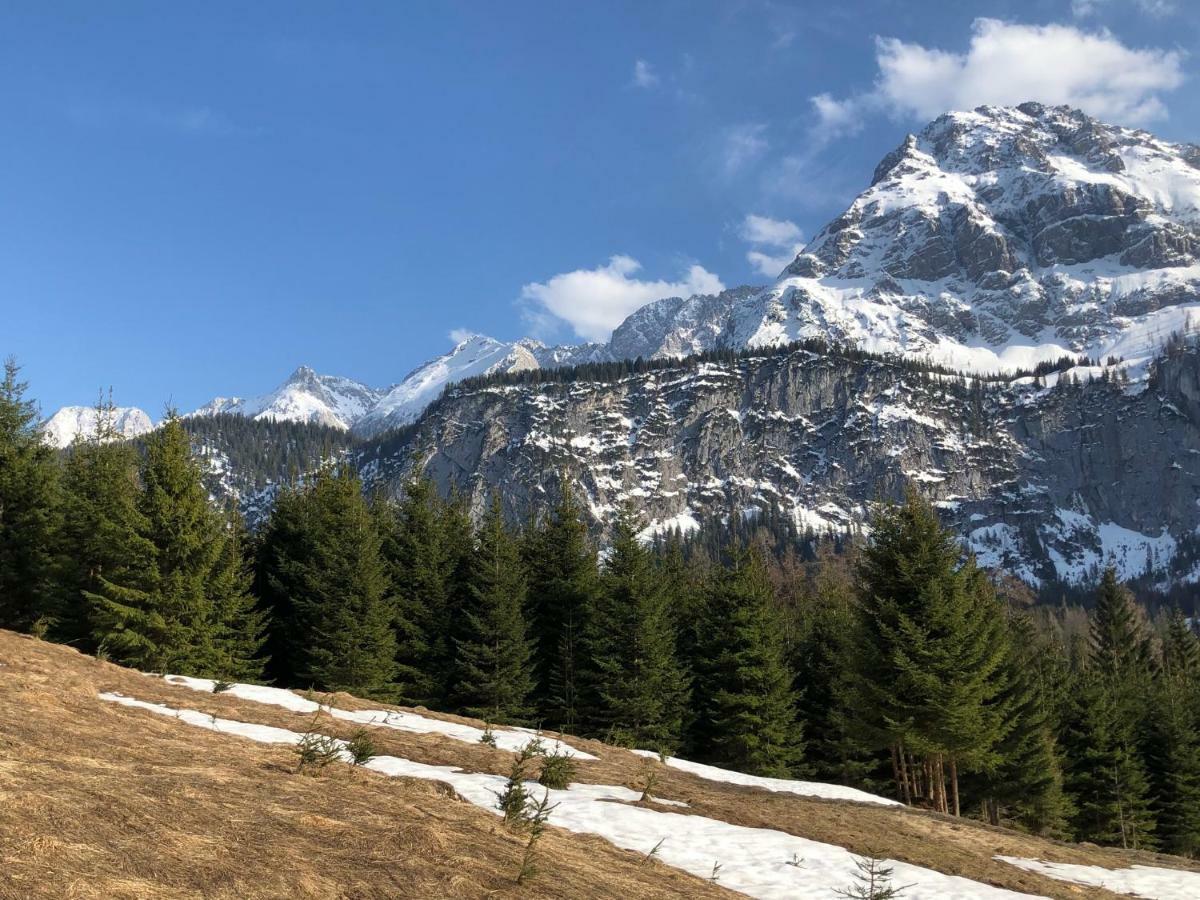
(61, 429)
(992, 240)
(1027, 473)
(139, 802)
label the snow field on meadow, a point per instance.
(759, 862)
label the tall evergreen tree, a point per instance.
(240, 623)
(164, 619)
(563, 583)
(1173, 741)
(422, 571)
(820, 663)
(928, 675)
(30, 511)
(637, 685)
(325, 560)
(1104, 729)
(1026, 783)
(103, 527)
(494, 671)
(744, 689)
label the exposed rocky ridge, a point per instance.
(1048, 482)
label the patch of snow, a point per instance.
(1137, 881)
(758, 862)
(506, 739)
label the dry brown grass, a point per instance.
(99, 801)
(103, 801)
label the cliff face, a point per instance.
(1046, 481)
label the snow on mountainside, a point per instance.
(990, 241)
(61, 429)
(476, 355)
(305, 397)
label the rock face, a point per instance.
(1049, 482)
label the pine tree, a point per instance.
(635, 680)
(928, 675)
(820, 661)
(744, 689)
(240, 623)
(563, 583)
(102, 525)
(1173, 741)
(326, 560)
(30, 511)
(422, 571)
(1026, 784)
(1104, 776)
(494, 677)
(164, 619)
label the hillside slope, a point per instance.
(119, 798)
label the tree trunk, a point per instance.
(954, 784)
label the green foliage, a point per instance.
(30, 510)
(513, 801)
(562, 590)
(361, 747)
(494, 670)
(928, 676)
(636, 683)
(190, 610)
(330, 588)
(558, 770)
(315, 751)
(748, 708)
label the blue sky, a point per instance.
(196, 198)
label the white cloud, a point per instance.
(595, 301)
(1007, 64)
(458, 335)
(776, 243)
(644, 75)
(765, 230)
(742, 145)
(838, 117)
(1156, 8)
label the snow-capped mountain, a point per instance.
(305, 397)
(475, 355)
(990, 241)
(61, 429)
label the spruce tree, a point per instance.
(103, 527)
(30, 509)
(820, 660)
(1104, 776)
(636, 683)
(240, 623)
(1026, 783)
(928, 674)
(563, 583)
(422, 571)
(1173, 741)
(164, 619)
(494, 671)
(326, 560)
(744, 689)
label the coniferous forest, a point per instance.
(892, 664)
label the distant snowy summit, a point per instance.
(304, 397)
(990, 241)
(70, 422)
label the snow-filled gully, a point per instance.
(758, 862)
